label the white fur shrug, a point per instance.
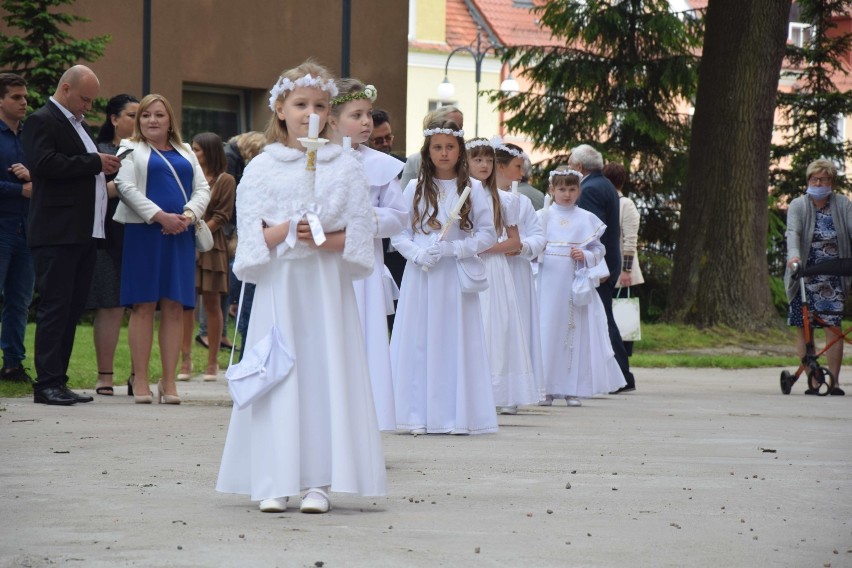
(275, 187)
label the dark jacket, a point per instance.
(600, 197)
(62, 208)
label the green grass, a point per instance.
(662, 345)
(83, 369)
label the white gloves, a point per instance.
(442, 249)
(426, 258)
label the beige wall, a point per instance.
(425, 73)
(245, 44)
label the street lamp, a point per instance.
(446, 90)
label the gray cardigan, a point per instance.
(801, 220)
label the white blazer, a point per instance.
(132, 179)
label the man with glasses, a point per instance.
(382, 137)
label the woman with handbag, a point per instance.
(631, 274)
(211, 271)
(163, 193)
(442, 380)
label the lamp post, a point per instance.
(446, 90)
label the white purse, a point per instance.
(262, 367)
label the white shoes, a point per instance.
(278, 505)
(418, 431)
(315, 501)
(507, 409)
(573, 401)
(548, 401)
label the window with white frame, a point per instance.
(799, 34)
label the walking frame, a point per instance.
(819, 377)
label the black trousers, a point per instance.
(605, 291)
(63, 276)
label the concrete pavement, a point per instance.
(699, 467)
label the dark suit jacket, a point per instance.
(600, 197)
(62, 207)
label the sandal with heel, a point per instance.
(105, 390)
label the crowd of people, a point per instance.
(493, 297)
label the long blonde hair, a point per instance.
(276, 129)
(427, 190)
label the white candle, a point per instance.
(454, 212)
(514, 187)
(347, 143)
(547, 201)
(313, 126)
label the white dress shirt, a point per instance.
(100, 178)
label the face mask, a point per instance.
(819, 191)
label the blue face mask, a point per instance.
(819, 191)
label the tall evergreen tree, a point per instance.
(810, 111)
(617, 77)
(43, 49)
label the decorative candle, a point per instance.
(313, 126)
(454, 212)
(547, 201)
(347, 143)
(515, 187)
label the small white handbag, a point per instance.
(266, 364)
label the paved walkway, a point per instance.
(699, 467)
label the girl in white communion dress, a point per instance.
(316, 430)
(350, 117)
(577, 353)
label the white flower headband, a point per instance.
(284, 84)
(457, 133)
(369, 92)
(510, 151)
(568, 172)
(477, 142)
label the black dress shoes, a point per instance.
(54, 395)
(77, 397)
(624, 389)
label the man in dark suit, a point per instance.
(599, 196)
(67, 211)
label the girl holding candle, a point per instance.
(440, 365)
(512, 379)
(578, 356)
(316, 430)
(509, 160)
(350, 117)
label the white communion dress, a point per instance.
(512, 379)
(376, 293)
(577, 353)
(318, 427)
(532, 239)
(440, 366)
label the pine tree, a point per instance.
(617, 80)
(810, 111)
(42, 49)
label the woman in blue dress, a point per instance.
(163, 192)
(818, 226)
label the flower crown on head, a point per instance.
(284, 84)
(503, 148)
(369, 92)
(430, 131)
(568, 172)
(478, 142)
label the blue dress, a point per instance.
(155, 265)
(824, 292)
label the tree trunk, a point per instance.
(720, 274)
